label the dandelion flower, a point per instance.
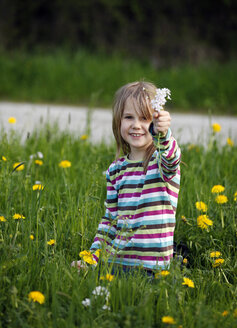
(37, 187)
(17, 216)
(225, 313)
(36, 296)
(235, 196)
(65, 164)
(218, 262)
(221, 199)
(201, 206)
(108, 277)
(185, 261)
(169, 320)
(215, 254)
(12, 120)
(216, 127)
(2, 219)
(4, 158)
(32, 237)
(184, 219)
(162, 273)
(19, 166)
(188, 282)
(230, 142)
(84, 137)
(87, 256)
(203, 221)
(38, 162)
(217, 189)
(51, 242)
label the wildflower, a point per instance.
(32, 237)
(108, 277)
(169, 320)
(188, 282)
(65, 164)
(4, 158)
(203, 221)
(2, 219)
(12, 120)
(86, 302)
(84, 137)
(185, 261)
(230, 142)
(216, 127)
(39, 154)
(201, 206)
(100, 291)
(38, 187)
(106, 307)
(36, 296)
(215, 254)
(87, 256)
(221, 199)
(235, 196)
(162, 273)
(51, 242)
(38, 162)
(225, 313)
(217, 189)
(19, 166)
(184, 219)
(160, 99)
(17, 216)
(218, 262)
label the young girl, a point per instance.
(142, 185)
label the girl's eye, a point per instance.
(128, 116)
(144, 118)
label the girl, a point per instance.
(142, 185)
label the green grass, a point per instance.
(68, 210)
(81, 78)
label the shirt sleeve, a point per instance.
(106, 231)
(168, 153)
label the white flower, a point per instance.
(100, 291)
(106, 307)
(37, 182)
(40, 155)
(86, 302)
(160, 99)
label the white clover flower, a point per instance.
(160, 99)
(86, 302)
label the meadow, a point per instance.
(51, 200)
(80, 77)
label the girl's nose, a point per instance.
(136, 124)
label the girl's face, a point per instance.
(135, 131)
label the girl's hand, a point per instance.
(80, 265)
(161, 122)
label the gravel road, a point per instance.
(187, 128)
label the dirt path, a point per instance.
(187, 128)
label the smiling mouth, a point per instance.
(136, 134)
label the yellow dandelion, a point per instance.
(185, 261)
(87, 256)
(4, 158)
(36, 296)
(225, 313)
(162, 273)
(235, 196)
(17, 216)
(169, 320)
(97, 252)
(51, 242)
(84, 137)
(65, 164)
(39, 162)
(216, 127)
(201, 206)
(217, 189)
(218, 262)
(215, 254)
(19, 166)
(37, 187)
(12, 120)
(203, 221)
(108, 277)
(184, 219)
(32, 237)
(221, 199)
(188, 282)
(230, 142)
(2, 219)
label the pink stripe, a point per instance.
(129, 195)
(146, 258)
(155, 190)
(152, 236)
(152, 213)
(171, 150)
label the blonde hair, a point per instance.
(140, 94)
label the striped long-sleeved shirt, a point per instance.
(138, 226)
